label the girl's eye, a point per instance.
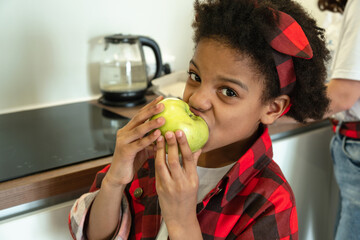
(194, 76)
(228, 92)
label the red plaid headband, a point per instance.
(288, 41)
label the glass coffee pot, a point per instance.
(123, 71)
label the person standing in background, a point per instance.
(344, 92)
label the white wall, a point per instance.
(49, 48)
(312, 7)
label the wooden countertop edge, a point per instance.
(50, 183)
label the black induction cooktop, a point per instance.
(42, 139)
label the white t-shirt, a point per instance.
(346, 61)
(208, 179)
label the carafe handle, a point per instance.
(146, 41)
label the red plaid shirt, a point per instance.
(252, 201)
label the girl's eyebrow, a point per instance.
(226, 79)
(234, 81)
(193, 63)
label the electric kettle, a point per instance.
(123, 71)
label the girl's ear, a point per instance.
(274, 109)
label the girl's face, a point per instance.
(223, 88)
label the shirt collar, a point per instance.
(249, 165)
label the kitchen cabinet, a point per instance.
(307, 165)
(44, 224)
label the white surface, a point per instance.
(48, 223)
(307, 165)
(171, 85)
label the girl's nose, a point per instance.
(201, 99)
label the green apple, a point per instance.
(178, 116)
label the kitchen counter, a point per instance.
(69, 182)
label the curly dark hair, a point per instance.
(240, 25)
(332, 5)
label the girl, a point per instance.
(253, 62)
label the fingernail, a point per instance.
(160, 138)
(159, 120)
(179, 133)
(158, 106)
(168, 135)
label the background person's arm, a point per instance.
(343, 93)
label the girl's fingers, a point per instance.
(147, 141)
(140, 125)
(173, 155)
(128, 149)
(145, 128)
(189, 159)
(147, 112)
(173, 168)
(141, 131)
(161, 169)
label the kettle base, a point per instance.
(125, 103)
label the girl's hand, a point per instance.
(134, 144)
(177, 186)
